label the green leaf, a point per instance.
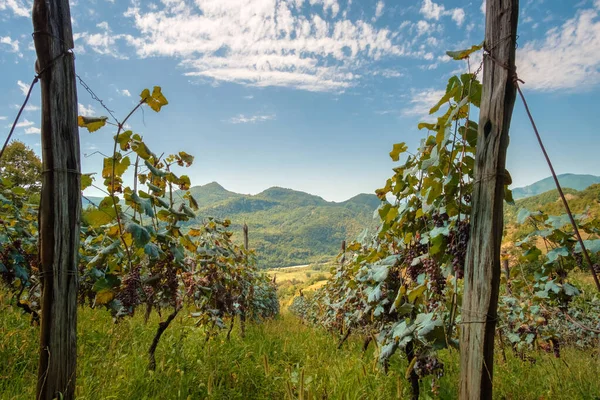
(398, 149)
(140, 235)
(463, 54)
(155, 171)
(508, 196)
(554, 253)
(152, 250)
(532, 254)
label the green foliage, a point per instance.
(287, 227)
(22, 167)
(400, 285)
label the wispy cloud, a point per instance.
(421, 102)
(286, 43)
(23, 124)
(33, 131)
(124, 92)
(28, 107)
(431, 10)
(20, 8)
(13, 44)
(103, 42)
(23, 86)
(378, 10)
(86, 111)
(569, 57)
(2, 118)
(251, 119)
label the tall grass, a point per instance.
(277, 360)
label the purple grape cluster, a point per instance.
(457, 247)
(429, 365)
(437, 280)
(411, 253)
(129, 295)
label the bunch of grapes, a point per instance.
(129, 295)
(459, 239)
(428, 365)
(440, 220)
(411, 253)
(437, 280)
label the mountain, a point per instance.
(572, 181)
(287, 227)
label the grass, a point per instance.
(274, 361)
(291, 280)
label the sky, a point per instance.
(308, 94)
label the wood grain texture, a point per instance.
(60, 206)
(482, 269)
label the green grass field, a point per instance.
(280, 359)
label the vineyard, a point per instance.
(138, 296)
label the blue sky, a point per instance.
(308, 94)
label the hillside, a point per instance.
(571, 181)
(288, 227)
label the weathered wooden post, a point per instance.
(60, 206)
(482, 272)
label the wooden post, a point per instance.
(482, 272)
(60, 205)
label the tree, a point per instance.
(22, 166)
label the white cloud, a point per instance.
(379, 10)
(242, 119)
(28, 107)
(14, 44)
(249, 97)
(569, 57)
(2, 118)
(264, 42)
(86, 111)
(19, 7)
(103, 42)
(431, 10)
(23, 124)
(421, 102)
(33, 131)
(483, 7)
(124, 92)
(23, 86)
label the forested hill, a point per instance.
(571, 181)
(288, 227)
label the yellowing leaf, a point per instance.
(462, 54)
(92, 124)
(104, 296)
(397, 150)
(128, 239)
(86, 181)
(194, 232)
(156, 101)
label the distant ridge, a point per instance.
(572, 181)
(288, 227)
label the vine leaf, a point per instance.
(86, 181)
(156, 101)
(139, 234)
(463, 54)
(398, 149)
(92, 124)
